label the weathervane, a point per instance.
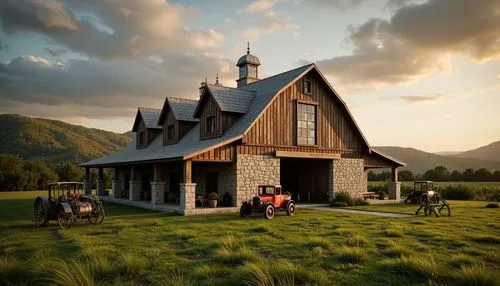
(248, 47)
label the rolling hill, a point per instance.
(419, 161)
(488, 152)
(55, 141)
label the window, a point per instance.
(306, 124)
(242, 72)
(307, 86)
(252, 71)
(141, 137)
(211, 124)
(170, 132)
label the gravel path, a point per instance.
(324, 207)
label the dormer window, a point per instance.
(170, 133)
(307, 86)
(211, 124)
(142, 138)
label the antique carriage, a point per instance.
(422, 193)
(66, 204)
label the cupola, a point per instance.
(249, 68)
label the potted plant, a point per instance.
(227, 199)
(212, 199)
(381, 195)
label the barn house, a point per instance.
(291, 129)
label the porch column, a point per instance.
(187, 188)
(87, 183)
(394, 187)
(101, 191)
(117, 184)
(158, 186)
(134, 185)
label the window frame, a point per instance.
(209, 130)
(316, 136)
(304, 90)
(142, 137)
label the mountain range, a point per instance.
(55, 141)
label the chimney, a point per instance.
(202, 87)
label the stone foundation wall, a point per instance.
(187, 200)
(394, 190)
(254, 170)
(135, 190)
(347, 175)
(117, 189)
(157, 193)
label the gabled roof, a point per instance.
(387, 157)
(150, 117)
(256, 96)
(183, 109)
(228, 99)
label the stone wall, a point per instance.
(347, 175)
(187, 200)
(254, 170)
(135, 190)
(157, 193)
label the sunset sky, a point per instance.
(422, 74)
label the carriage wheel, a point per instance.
(269, 212)
(64, 219)
(97, 215)
(290, 209)
(40, 214)
(444, 210)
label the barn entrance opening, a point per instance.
(305, 179)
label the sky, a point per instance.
(421, 74)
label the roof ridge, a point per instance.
(184, 99)
(229, 87)
(311, 64)
(142, 107)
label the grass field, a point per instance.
(442, 184)
(139, 247)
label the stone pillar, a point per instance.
(117, 189)
(157, 193)
(135, 190)
(87, 183)
(394, 190)
(331, 182)
(188, 196)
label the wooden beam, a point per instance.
(186, 172)
(117, 174)
(158, 176)
(101, 174)
(87, 173)
(394, 174)
(307, 155)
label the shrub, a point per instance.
(361, 202)
(213, 196)
(339, 204)
(343, 197)
(492, 206)
(458, 192)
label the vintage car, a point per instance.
(66, 204)
(269, 200)
(422, 193)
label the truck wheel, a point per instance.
(269, 212)
(245, 210)
(290, 209)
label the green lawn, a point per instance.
(138, 247)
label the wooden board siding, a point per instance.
(141, 128)
(277, 125)
(221, 154)
(270, 150)
(223, 120)
(170, 120)
(375, 161)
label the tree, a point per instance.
(468, 175)
(384, 176)
(406, 175)
(372, 176)
(456, 176)
(482, 175)
(430, 175)
(69, 172)
(441, 173)
(496, 176)
(37, 175)
(11, 173)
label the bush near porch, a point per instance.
(139, 247)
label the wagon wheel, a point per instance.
(64, 219)
(444, 209)
(290, 209)
(40, 213)
(97, 215)
(269, 212)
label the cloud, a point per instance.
(417, 40)
(259, 5)
(122, 29)
(55, 52)
(340, 4)
(272, 23)
(421, 98)
(97, 88)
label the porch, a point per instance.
(180, 186)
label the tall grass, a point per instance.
(11, 269)
(418, 266)
(279, 273)
(477, 275)
(352, 254)
(172, 277)
(234, 251)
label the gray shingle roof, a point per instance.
(183, 109)
(150, 117)
(231, 99)
(263, 93)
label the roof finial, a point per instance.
(206, 80)
(248, 47)
(217, 79)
